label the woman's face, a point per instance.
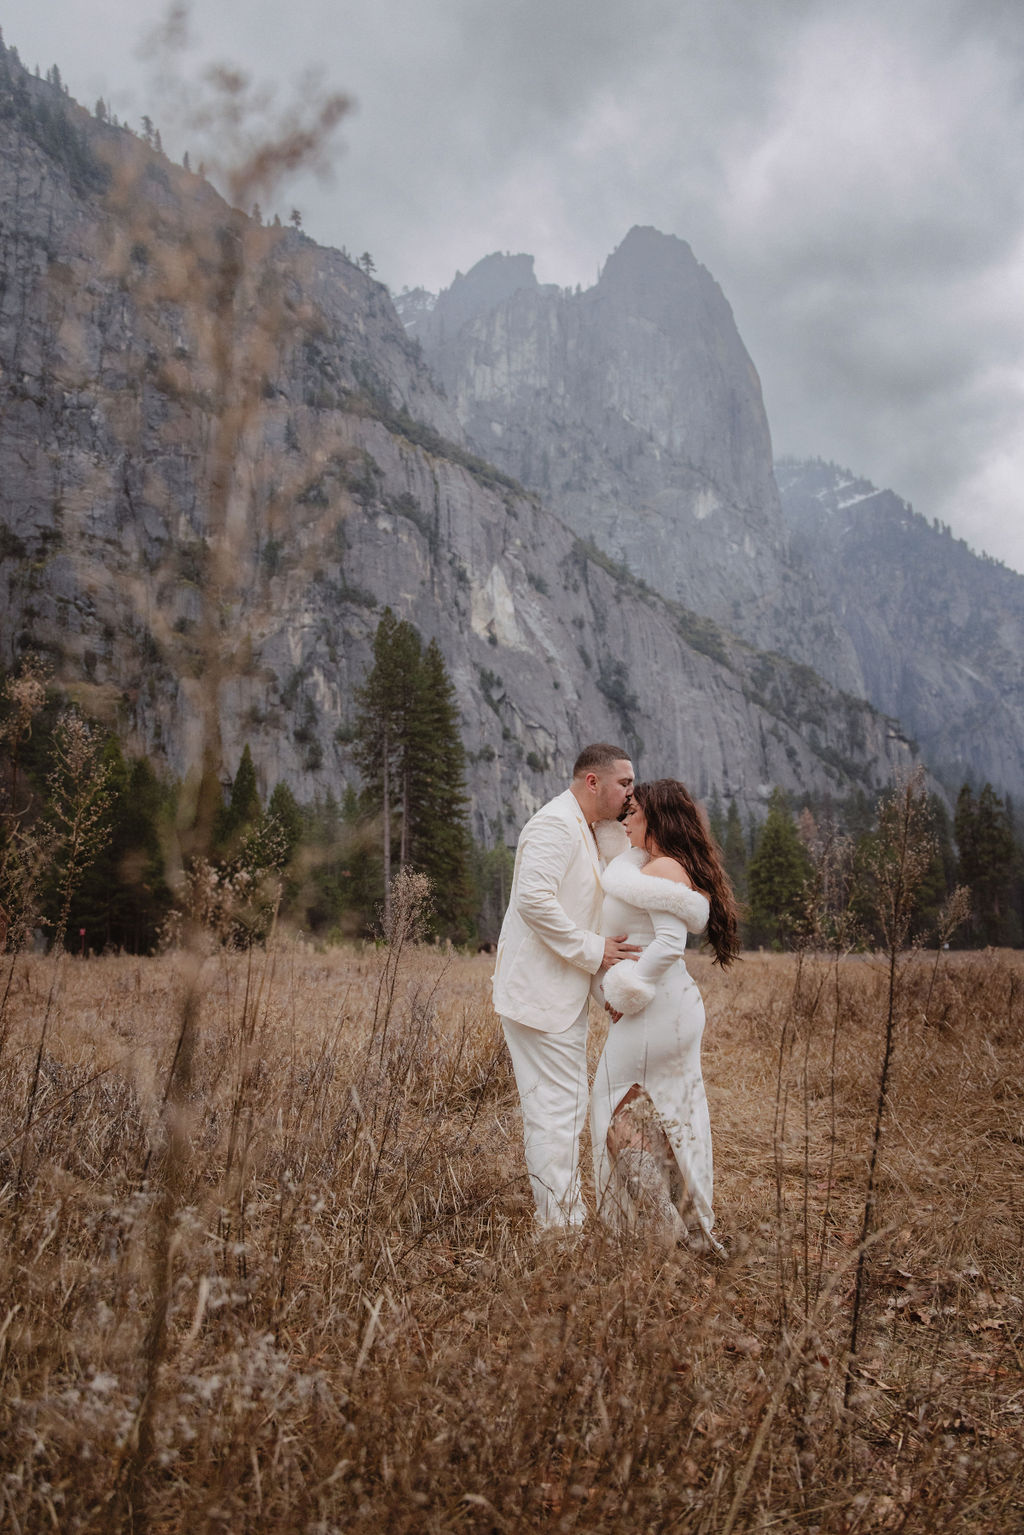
(636, 825)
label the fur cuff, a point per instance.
(611, 839)
(624, 990)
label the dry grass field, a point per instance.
(361, 1330)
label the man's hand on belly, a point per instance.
(616, 949)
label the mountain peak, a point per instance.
(648, 247)
(492, 281)
(658, 277)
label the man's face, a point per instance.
(613, 787)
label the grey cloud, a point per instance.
(852, 175)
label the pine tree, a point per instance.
(321, 895)
(777, 875)
(987, 849)
(939, 879)
(492, 873)
(124, 896)
(734, 851)
(440, 843)
(243, 811)
(382, 731)
(1016, 877)
(716, 821)
(409, 752)
(284, 808)
(964, 831)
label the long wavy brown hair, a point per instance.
(677, 828)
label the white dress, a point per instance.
(656, 1043)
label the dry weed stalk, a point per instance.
(898, 864)
(955, 911)
(78, 806)
(834, 928)
(26, 853)
(828, 925)
(219, 277)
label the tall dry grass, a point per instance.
(362, 1331)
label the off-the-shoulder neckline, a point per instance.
(683, 884)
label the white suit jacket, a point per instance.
(549, 945)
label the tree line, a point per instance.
(90, 853)
(803, 866)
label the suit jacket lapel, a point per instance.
(590, 840)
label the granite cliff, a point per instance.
(635, 411)
(938, 631)
(146, 329)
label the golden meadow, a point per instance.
(358, 1329)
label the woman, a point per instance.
(649, 1114)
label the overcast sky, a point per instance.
(851, 172)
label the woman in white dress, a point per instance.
(649, 1115)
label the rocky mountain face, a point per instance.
(635, 411)
(937, 631)
(221, 455)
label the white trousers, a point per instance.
(551, 1075)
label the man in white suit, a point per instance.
(548, 952)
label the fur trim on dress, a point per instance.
(611, 839)
(624, 990)
(623, 878)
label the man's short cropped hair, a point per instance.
(597, 758)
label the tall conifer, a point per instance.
(985, 843)
(734, 851)
(777, 876)
(440, 841)
(243, 809)
(409, 751)
(383, 726)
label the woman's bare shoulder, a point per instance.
(667, 868)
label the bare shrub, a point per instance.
(233, 903)
(77, 807)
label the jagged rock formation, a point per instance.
(210, 488)
(938, 632)
(635, 411)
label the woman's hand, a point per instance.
(610, 1010)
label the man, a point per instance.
(548, 951)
